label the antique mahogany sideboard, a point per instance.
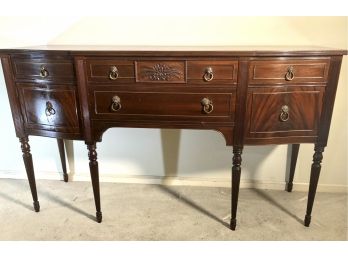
(252, 95)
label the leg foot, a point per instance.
(236, 170)
(29, 168)
(289, 187)
(294, 154)
(313, 182)
(233, 224)
(99, 216)
(307, 220)
(61, 148)
(36, 206)
(65, 177)
(94, 170)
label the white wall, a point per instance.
(192, 157)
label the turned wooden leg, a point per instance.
(313, 183)
(236, 170)
(29, 168)
(61, 148)
(93, 167)
(294, 154)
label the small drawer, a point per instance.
(56, 70)
(161, 71)
(119, 105)
(112, 71)
(288, 71)
(212, 72)
(281, 112)
(49, 109)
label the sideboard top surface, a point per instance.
(248, 51)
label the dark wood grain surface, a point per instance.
(158, 50)
(264, 108)
(273, 71)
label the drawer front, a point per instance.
(161, 71)
(283, 112)
(164, 105)
(288, 71)
(112, 71)
(49, 109)
(212, 72)
(57, 70)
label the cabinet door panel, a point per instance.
(282, 112)
(49, 109)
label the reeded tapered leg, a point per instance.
(313, 183)
(236, 170)
(93, 167)
(61, 148)
(294, 154)
(29, 168)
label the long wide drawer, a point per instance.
(164, 105)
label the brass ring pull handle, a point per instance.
(207, 105)
(43, 72)
(208, 75)
(290, 74)
(49, 109)
(113, 73)
(284, 114)
(116, 103)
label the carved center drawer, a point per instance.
(44, 70)
(161, 71)
(277, 71)
(125, 105)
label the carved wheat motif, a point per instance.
(162, 72)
